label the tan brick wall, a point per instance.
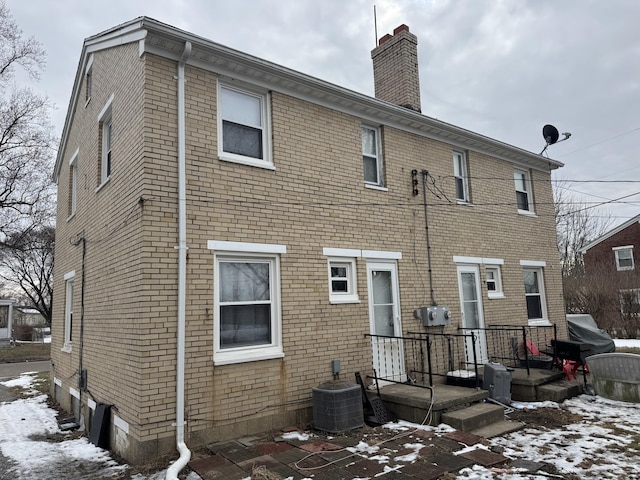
(315, 198)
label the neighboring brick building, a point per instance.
(183, 161)
(613, 258)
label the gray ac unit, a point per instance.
(337, 406)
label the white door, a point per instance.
(384, 317)
(471, 307)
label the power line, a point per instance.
(599, 143)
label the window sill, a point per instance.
(494, 296)
(103, 184)
(228, 358)
(339, 301)
(66, 348)
(376, 187)
(540, 323)
(527, 213)
(71, 217)
(625, 269)
(252, 162)
(464, 202)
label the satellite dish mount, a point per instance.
(551, 136)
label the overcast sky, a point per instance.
(500, 68)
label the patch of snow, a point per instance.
(303, 437)
(627, 343)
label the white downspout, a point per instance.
(185, 453)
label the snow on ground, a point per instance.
(604, 444)
(626, 343)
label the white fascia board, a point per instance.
(245, 247)
(533, 263)
(341, 252)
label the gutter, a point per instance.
(185, 453)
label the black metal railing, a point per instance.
(418, 357)
(527, 346)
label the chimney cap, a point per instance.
(400, 28)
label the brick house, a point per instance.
(233, 226)
(613, 258)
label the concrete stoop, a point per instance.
(559, 391)
(474, 417)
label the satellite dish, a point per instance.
(550, 134)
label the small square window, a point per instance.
(494, 282)
(342, 280)
(624, 258)
(372, 156)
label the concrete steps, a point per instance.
(474, 417)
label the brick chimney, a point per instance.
(395, 69)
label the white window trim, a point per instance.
(461, 175)
(533, 263)
(379, 164)
(105, 116)
(68, 309)
(351, 295)
(73, 174)
(120, 423)
(494, 263)
(265, 113)
(268, 252)
(618, 267)
(88, 76)
(498, 292)
(381, 255)
(543, 300)
(478, 260)
(529, 191)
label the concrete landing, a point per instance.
(412, 403)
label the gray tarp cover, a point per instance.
(583, 328)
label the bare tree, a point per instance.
(26, 139)
(26, 263)
(576, 226)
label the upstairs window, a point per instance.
(460, 175)
(624, 257)
(73, 184)
(106, 143)
(371, 156)
(88, 79)
(243, 127)
(523, 191)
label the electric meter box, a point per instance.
(433, 316)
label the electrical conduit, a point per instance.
(185, 453)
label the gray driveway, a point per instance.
(10, 370)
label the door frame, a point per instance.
(481, 339)
(393, 347)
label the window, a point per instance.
(624, 257)
(88, 77)
(371, 156)
(534, 292)
(630, 302)
(68, 311)
(243, 127)
(247, 317)
(460, 175)
(523, 191)
(342, 280)
(73, 184)
(106, 143)
(494, 282)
